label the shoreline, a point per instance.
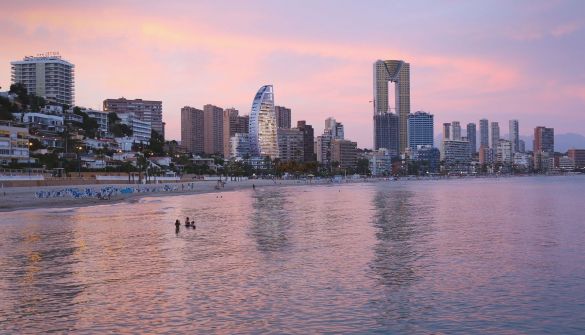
(23, 198)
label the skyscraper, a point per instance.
(544, 140)
(472, 137)
(145, 110)
(484, 137)
(514, 135)
(192, 129)
(230, 124)
(46, 75)
(263, 136)
(283, 117)
(446, 137)
(398, 72)
(308, 140)
(456, 131)
(446, 131)
(334, 128)
(420, 129)
(495, 135)
(387, 132)
(213, 129)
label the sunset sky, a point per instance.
(469, 59)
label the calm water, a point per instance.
(472, 256)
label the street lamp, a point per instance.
(28, 160)
(79, 161)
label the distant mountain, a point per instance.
(563, 142)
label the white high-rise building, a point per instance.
(263, 135)
(46, 75)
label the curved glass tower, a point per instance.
(263, 136)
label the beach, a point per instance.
(20, 198)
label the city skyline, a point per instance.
(479, 68)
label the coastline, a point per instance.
(23, 198)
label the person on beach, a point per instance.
(253, 186)
(187, 222)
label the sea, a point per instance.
(458, 256)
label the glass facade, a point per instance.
(263, 136)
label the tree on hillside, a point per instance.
(156, 144)
(21, 93)
(89, 125)
(6, 109)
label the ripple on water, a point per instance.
(471, 256)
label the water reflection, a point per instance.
(402, 221)
(41, 281)
(270, 221)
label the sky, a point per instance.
(469, 60)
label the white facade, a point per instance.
(263, 136)
(141, 130)
(504, 152)
(240, 145)
(50, 123)
(46, 75)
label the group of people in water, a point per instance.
(188, 224)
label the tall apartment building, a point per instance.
(495, 132)
(323, 149)
(504, 152)
(283, 117)
(420, 129)
(484, 137)
(290, 145)
(145, 110)
(46, 75)
(397, 72)
(308, 140)
(544, 140)
(486, 155)
(514, 135)
(472, 137)
(387, 129)
(230, 120)
(243, 124)
(456, 131)
(457, 157)
(263, 136)
(192, 136)
(213, 130)
(446, 137)
(334, 128)
(344, 152)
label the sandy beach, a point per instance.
(20, 198)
